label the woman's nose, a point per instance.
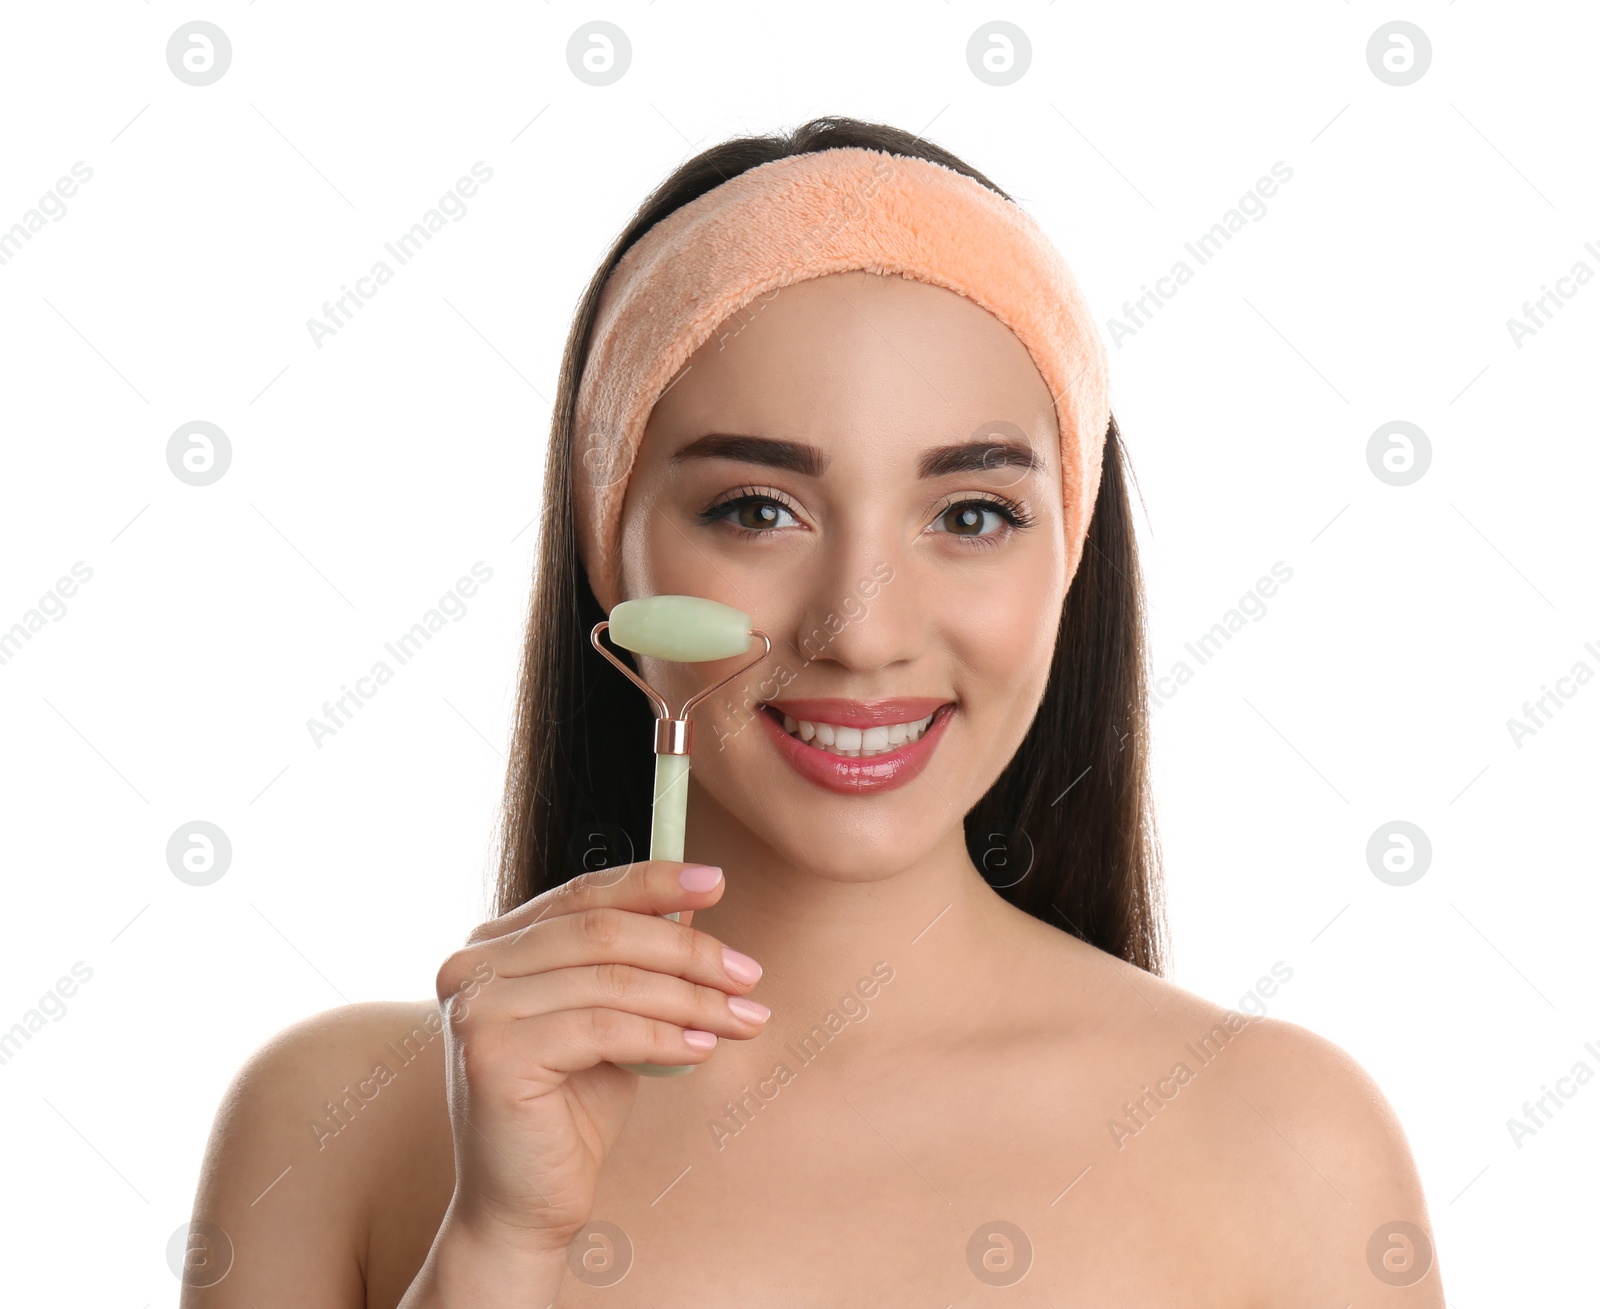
(860, 612)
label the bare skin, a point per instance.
(984, 1069)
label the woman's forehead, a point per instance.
(858, 357)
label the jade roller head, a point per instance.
(684, 629)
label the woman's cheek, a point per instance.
(992, 627)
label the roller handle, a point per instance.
(668, 815)
(688, 629)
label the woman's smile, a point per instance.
(855, 747)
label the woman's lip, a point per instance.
(859, 713)
(883, 772)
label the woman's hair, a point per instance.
(1066, 833)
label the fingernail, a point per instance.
(749, 1010)
(698, 1039)
(740, 967)
(699, 877)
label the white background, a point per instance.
(369, 474)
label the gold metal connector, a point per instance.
(674, 733)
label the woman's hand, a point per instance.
(540, 1007)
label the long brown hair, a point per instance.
(1067, 831)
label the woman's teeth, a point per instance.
(856, 742)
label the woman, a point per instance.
(955, 1065)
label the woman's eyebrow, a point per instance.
(978, 457)
(791, 455)
(809, 461)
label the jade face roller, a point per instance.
(685, 629)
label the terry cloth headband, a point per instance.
(805, 216)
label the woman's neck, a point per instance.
(911, 957)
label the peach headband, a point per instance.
(806, 216)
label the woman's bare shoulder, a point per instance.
(313, 1134)
(1275, 1130)
(1335, 1189)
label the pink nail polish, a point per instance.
(749, 1010)
(740, 967)
(699, 877)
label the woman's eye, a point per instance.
(752, 513)
(966, 518)
(760, 515)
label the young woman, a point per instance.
(918, 983)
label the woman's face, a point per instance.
(840, 462)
